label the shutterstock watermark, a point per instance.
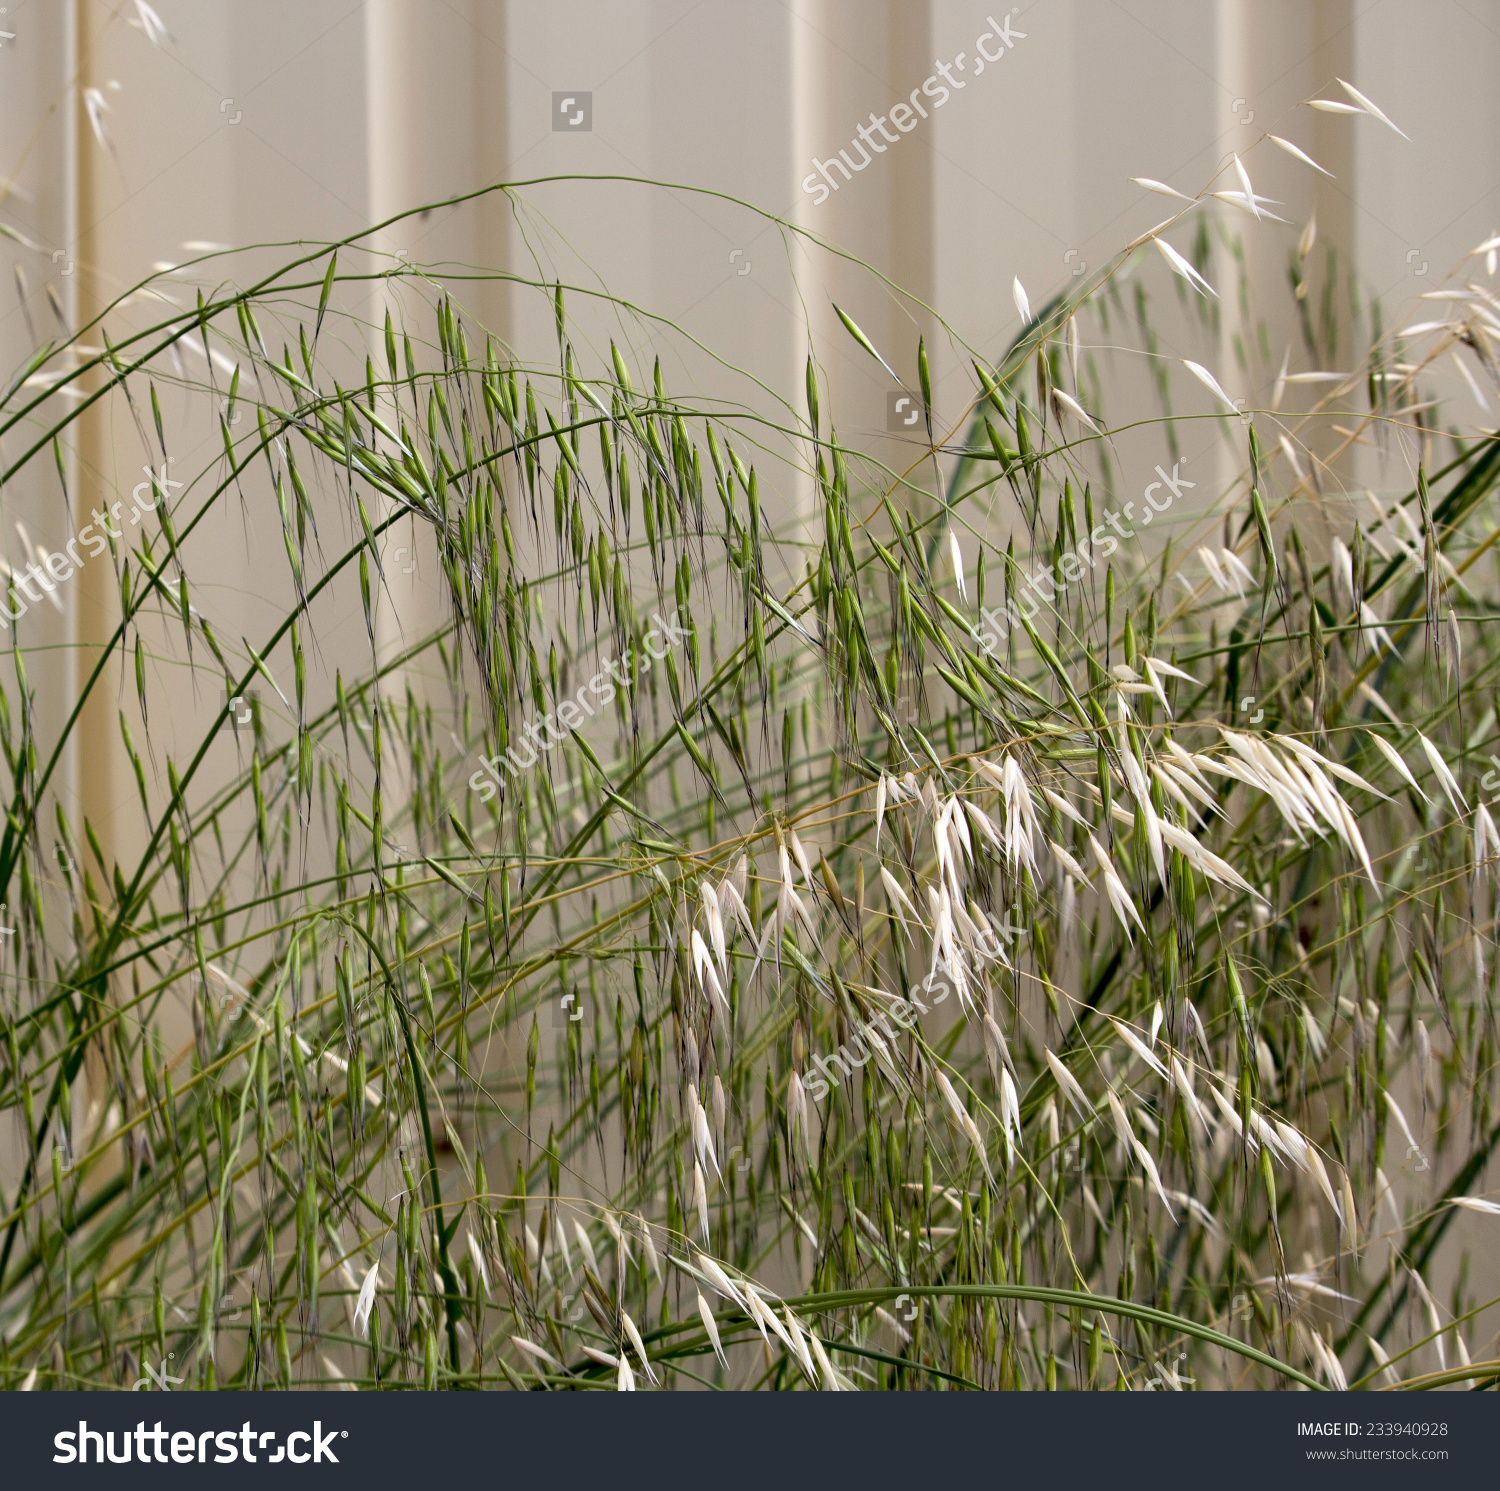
(1048, 585)
(907, 114)
(1490, 781)
(902, 411)
(554, 727)
(573, 113)
(825, 1071)
(55, 568)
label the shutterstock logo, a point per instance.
(902, 411)
(573, 112)
(158, 1446)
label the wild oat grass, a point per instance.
(1168, 1027)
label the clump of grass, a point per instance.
(706, 1049)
